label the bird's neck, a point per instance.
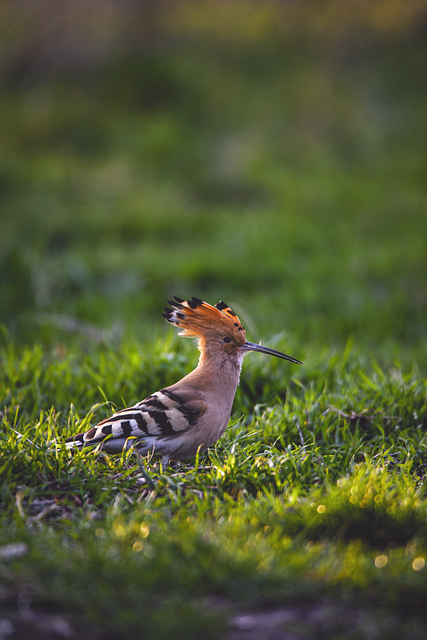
(217, 373)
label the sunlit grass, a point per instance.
(317, 495)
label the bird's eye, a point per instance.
(227, 339)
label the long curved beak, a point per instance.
(250, 346)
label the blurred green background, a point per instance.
(270, 154)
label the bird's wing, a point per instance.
(166, 413)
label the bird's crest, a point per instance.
(196, 318)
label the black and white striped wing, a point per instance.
(166, 413)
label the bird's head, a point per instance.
(217, 329)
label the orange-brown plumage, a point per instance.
(190, 415)
(210, 325)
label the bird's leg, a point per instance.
(165, 461)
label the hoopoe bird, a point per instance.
(190, 415)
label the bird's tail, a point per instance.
(75, 442)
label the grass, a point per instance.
(296, 502)
(301, 203)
